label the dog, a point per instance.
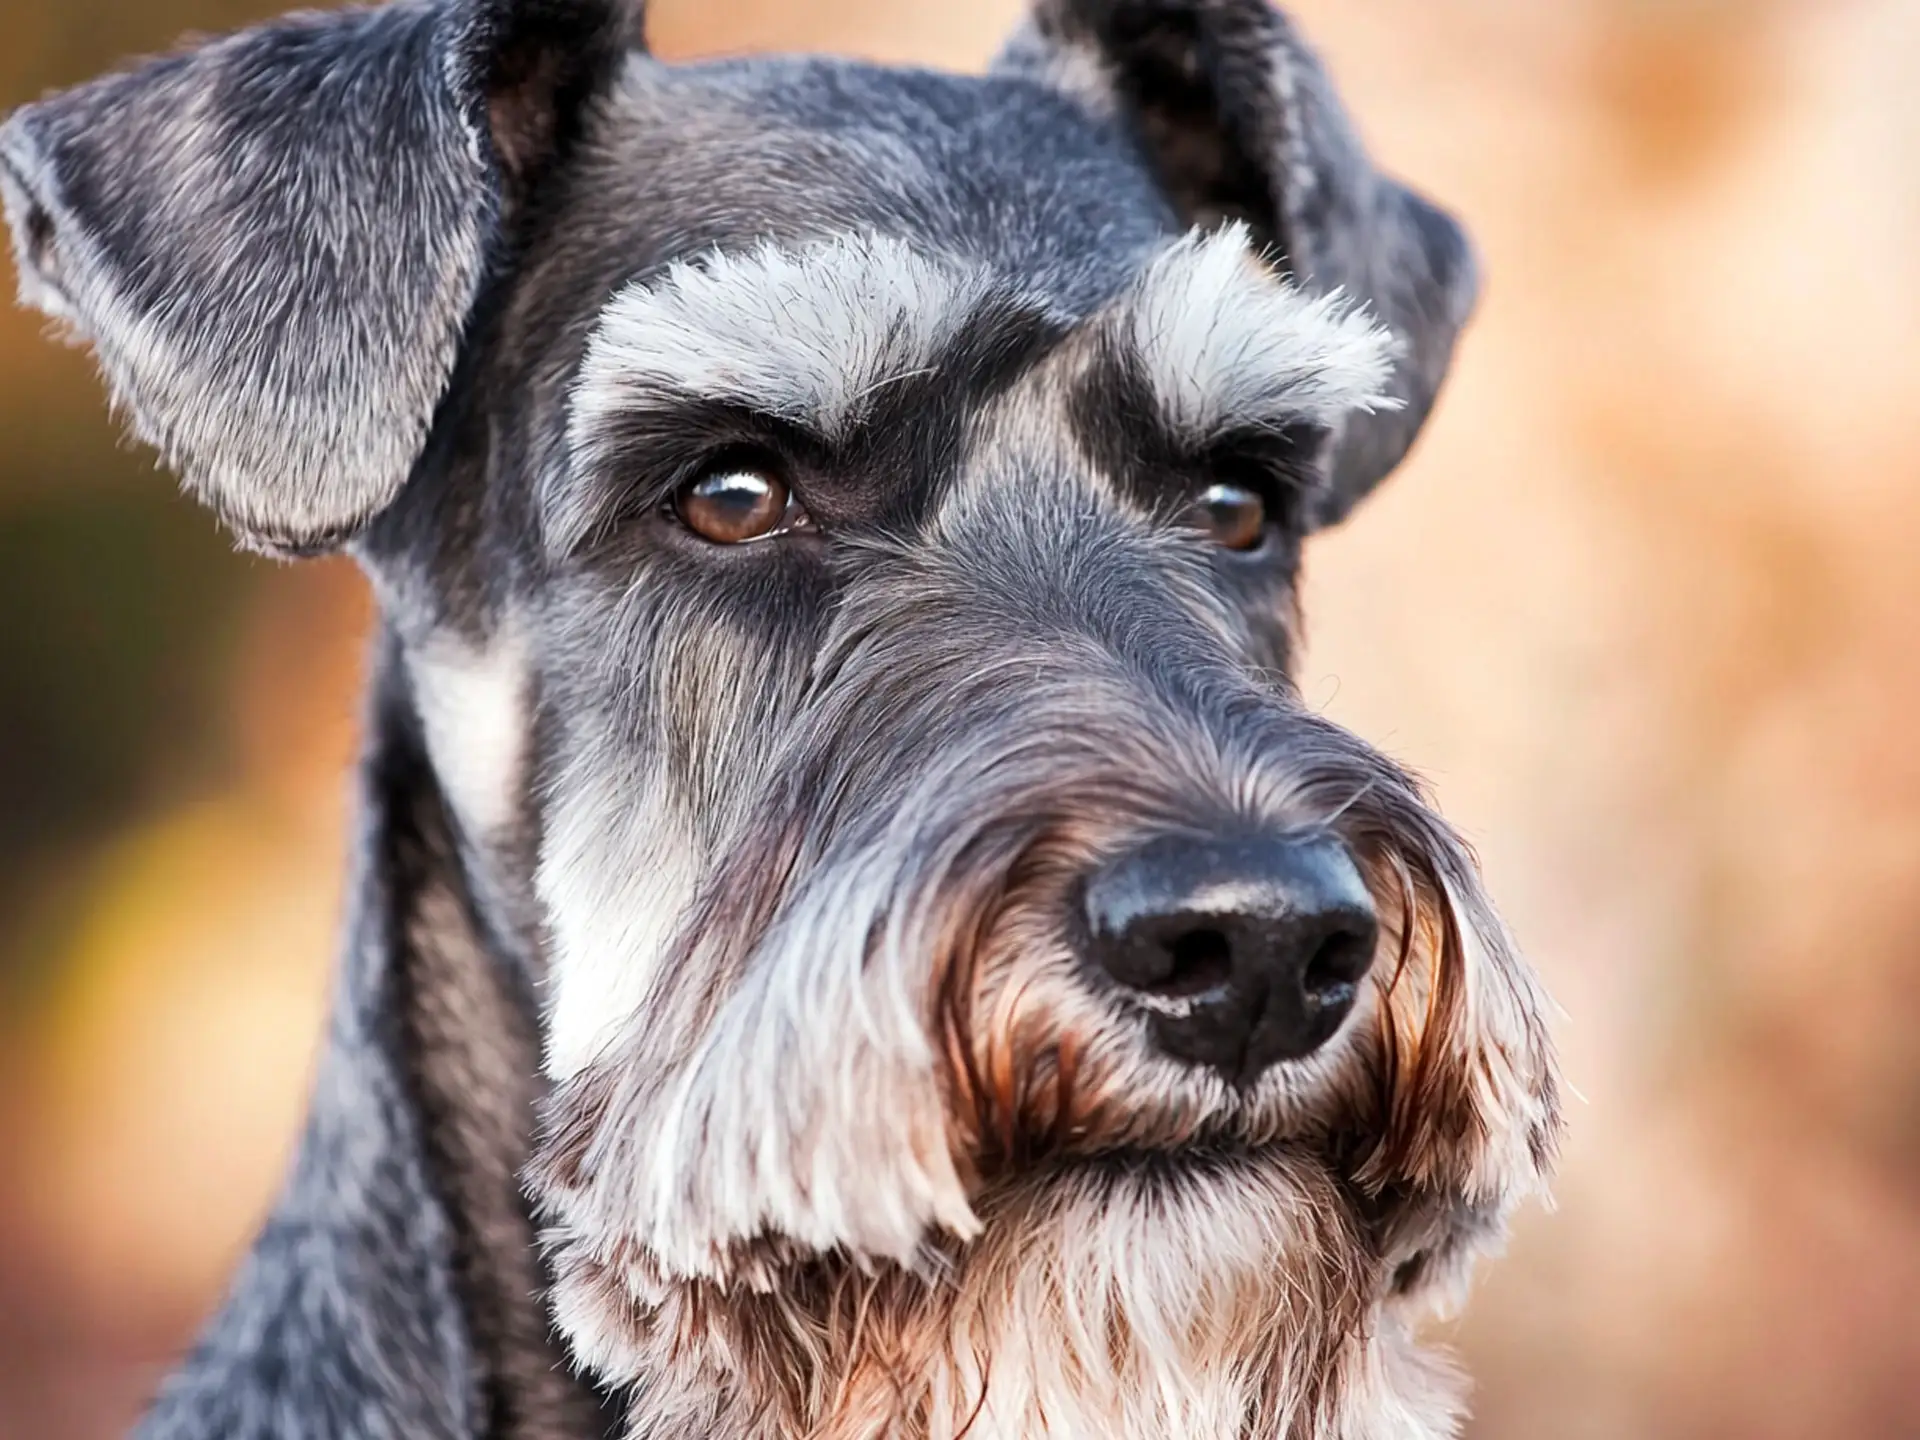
(854, 932)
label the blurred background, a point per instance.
(1645, 605)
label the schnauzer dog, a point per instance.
(855, 931)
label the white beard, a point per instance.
(1234, 1302)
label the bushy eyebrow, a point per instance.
(822, 338)
(804, 335)
(1225, 345)
(836, 347)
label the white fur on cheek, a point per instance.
(810, 1111)
(473, 706)
(615, 874)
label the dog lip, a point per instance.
(1191, 1162)
(1177, 1007)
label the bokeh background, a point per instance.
(1645, 605)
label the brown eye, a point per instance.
(1231, 516)
(737, 501)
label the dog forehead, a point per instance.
(794, 236)
(1004, 173)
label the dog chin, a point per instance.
(1213, 1210)
(1187, 1292)
(1199, 1292)
(1194, 1292)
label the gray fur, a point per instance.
(714, 909)
(272, 244)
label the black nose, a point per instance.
(1249, 951)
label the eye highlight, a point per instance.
(1232, 516)
(738, 499)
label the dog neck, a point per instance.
(465, 972)
(395, 1287)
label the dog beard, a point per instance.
(1139, 1298)
(1120, 1257)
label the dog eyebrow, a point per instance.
(808, 336)
(813, 337)
(1225, 344)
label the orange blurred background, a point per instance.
(1645, 605)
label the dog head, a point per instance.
(843, 524)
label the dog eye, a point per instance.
(737, 500)
(1232, 516)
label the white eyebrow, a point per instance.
(1225, 343)
(808, 335)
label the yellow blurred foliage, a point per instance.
(172, 1067)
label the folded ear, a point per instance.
(1242, 123)
(274, 241)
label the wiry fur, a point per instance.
(1224, 348)
(720, 910)
(1097, 1301)
(807, 337)
(285, 346)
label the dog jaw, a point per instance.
(1132, 1300)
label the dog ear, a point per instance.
(1241, 122)
(274, 241)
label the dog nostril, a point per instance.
(1202, 961)
(1248, 950)
(1336, 967)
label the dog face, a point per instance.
(844, 527)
